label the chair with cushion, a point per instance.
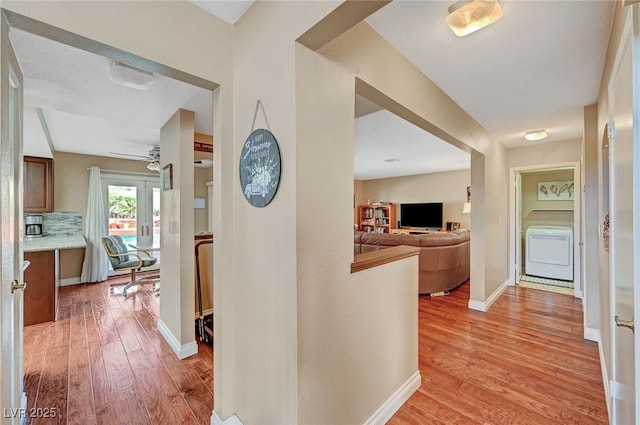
(123, 259)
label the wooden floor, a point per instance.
(104, 362)
(523, 362)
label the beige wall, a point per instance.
(545, 153)
(351, 355)
(176, 226)
(268, 316)
(72, 178)
(449, 187)
(71, 190)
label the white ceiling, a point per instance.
(229, 11)
(388, 146)
(88, 113)
(537, 67)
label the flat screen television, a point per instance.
(426, 215)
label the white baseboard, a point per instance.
(70, 281)
(23, 407)
(182, 351)
(486, 305)
(605, 376)
(591, 334)
(397, 399)
(231, 420)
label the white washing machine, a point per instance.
(550, 252)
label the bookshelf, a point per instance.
(377, 218)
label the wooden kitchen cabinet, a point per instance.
(41, 293)
(38, 184)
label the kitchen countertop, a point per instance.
(52, 242)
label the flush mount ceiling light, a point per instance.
(129, 76)
(467, 16)
(534, 135)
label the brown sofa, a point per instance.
(443, 263)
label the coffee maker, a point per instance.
(33, 226)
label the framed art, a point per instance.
(556, 191)
(167, 177)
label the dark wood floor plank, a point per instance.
(149, 387)
(128, 407)
(81, 408)
(199, 398)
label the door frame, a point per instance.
(12, 394)
(629, 35)
(131, 180)
(220, 104)
(516, 263)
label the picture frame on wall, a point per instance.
(468, 193)
(556, 191)
(167, 177)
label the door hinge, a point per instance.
(611, 130)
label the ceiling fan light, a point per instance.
(467, 16)
(131, 77)
(534, 135)
(154, 166)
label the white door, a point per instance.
(133, 209)
(624, 236)
(11, 221)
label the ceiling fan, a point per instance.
(154, 159)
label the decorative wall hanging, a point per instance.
(556, 191)
(167, 177)
(260, 166)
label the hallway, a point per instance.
(523, 362)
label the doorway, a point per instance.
(545, 228)
(133, 209)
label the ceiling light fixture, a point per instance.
(467, 16)
(131, 77)
(534, 135)
(154, 166)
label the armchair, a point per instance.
(123, 259)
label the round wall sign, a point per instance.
(260, 167)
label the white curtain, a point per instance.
(95, 266)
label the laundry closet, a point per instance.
(547, 225)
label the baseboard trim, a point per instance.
(591, 334)
(182, 351)
(397, 399)
(231, 420)
(23, 407)
(70, 281)
(486, 305)
(605, 376)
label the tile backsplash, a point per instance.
(62, 223)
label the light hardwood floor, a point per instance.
(523, 362)
(104, 362)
